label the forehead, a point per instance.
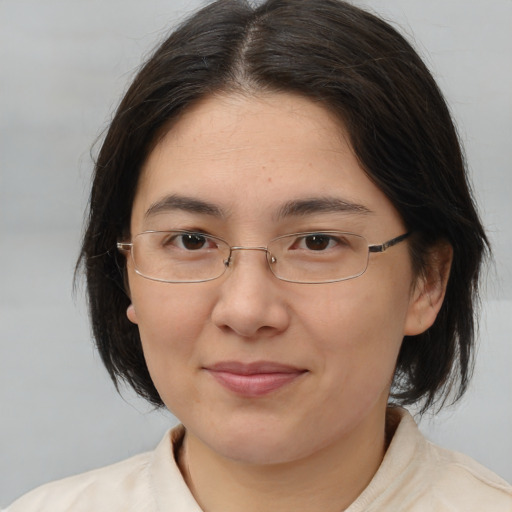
(250, 156)
(271, 128)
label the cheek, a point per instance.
(170, 319)
(360, 329)
(168, 310)
(357, 315)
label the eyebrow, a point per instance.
(293, 208)
(312, 205)
(184, 203)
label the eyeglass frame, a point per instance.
(372, 248)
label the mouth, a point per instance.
(254, 379)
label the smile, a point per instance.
(254, 379)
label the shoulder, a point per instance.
(418, 476)
(144, 483)
(442, 479)
(457, 479)
(110, 488)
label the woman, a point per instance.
(282, 249)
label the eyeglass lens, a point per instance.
(178, 256)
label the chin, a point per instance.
(258, 451)
(259, 444)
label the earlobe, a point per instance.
(131, 314)
(429, 291)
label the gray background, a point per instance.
(64, 64)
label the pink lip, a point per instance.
(253, 379)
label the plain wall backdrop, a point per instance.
(64, 65)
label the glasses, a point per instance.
(308, 258)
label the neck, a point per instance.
(328, 480)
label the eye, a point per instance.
(316, 242)
(190, 241)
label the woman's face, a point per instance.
(261, 370)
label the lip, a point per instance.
(254, 379)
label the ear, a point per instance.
(131, 314)
(429, 290)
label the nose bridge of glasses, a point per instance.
(270, 258)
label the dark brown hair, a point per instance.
(361, 69)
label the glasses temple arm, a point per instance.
(124, 246)
(388, 244)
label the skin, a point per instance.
(316, 442)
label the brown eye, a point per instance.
(193, 242)
(317, 242)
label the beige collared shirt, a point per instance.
(414, 476)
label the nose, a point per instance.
(251, 301)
